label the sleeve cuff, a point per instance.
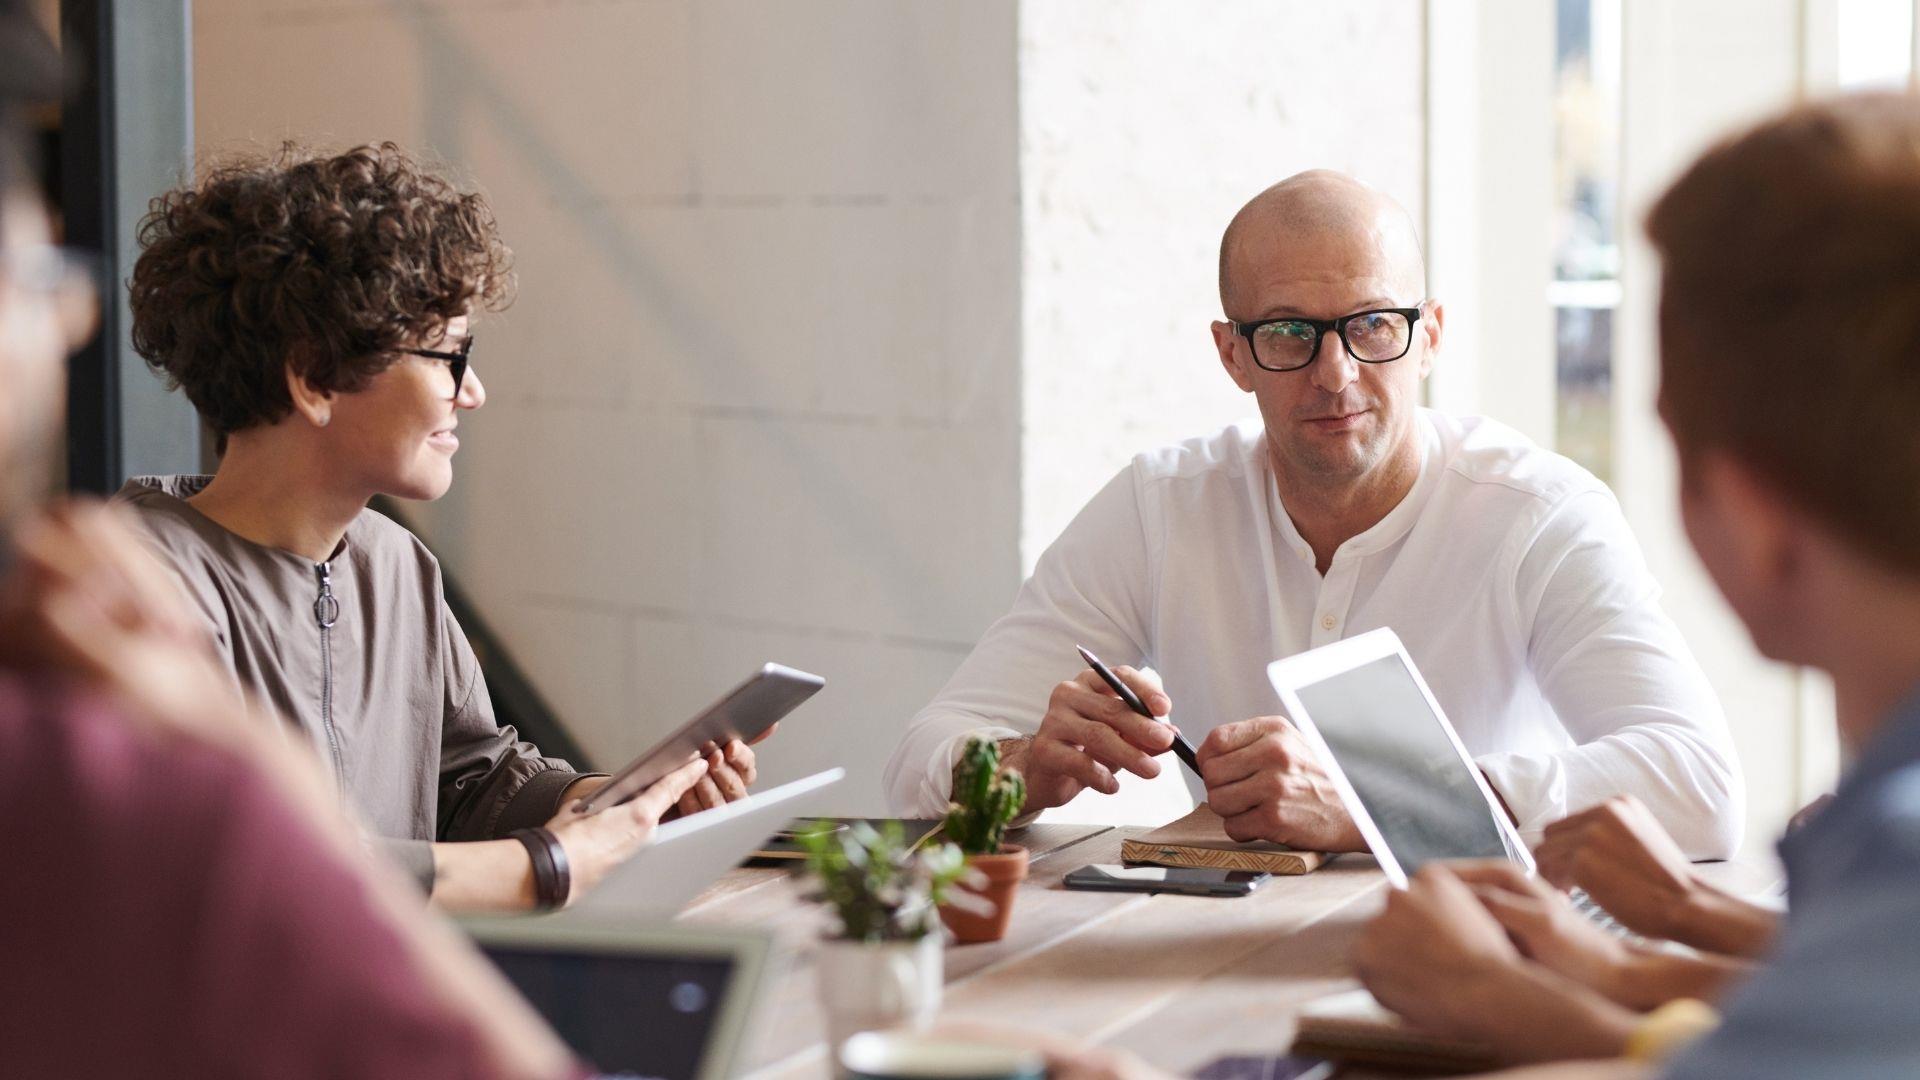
(536, 801)
(949, 755)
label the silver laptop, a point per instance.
(690, 853)
(660, 1002)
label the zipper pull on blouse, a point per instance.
(326, 607)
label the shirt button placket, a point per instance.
(1336, 593)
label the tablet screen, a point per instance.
(1415, 785)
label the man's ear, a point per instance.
(1758, 525)
(1226, 342)
(1432, 324)
(309, 401)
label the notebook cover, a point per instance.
(1200, 839)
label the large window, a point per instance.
(1585, 291)
(1875, 44)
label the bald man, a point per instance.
(1506, 569)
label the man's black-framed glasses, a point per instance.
(457, 360)
(1378, 336)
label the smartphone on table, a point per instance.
(1190, 880)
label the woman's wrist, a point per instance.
(1658, 976)
(483, 876)
(1639, 980)
(1615, 974)
(1718, 922)
(1539, 1015)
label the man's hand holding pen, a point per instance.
(1261, 776)
(1089, 734)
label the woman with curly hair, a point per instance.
(316, 311)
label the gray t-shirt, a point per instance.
(362, 655)
(1840, 998)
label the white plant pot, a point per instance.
(866, 986)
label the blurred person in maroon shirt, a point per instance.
(182, 894)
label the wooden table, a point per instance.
(1178, 980)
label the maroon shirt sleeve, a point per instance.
(163, 914)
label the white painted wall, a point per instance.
(1489, 174)
(759, 396)
(1143, 127)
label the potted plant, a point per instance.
(985, 799)
(882, 966)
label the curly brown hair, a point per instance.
(327, 264)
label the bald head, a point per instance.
(1319, 214)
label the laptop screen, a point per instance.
(626, 1014)
(1415, 785)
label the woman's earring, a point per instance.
(324, 417)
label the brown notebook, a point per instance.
(1352, 1027)
(1199, 839)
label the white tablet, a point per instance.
(1410, 786)
(742, 713)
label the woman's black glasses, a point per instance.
(455, 360)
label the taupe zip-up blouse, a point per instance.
(362, 655)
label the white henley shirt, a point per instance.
(1508, 571)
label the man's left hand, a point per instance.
(1266, 784)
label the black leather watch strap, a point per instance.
(552, 874)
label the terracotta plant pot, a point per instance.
(1004, 871)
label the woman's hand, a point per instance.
(1432, 943)
(1548, 930)
(596, 843)
(1621, 856)
(730, 771)
(1438, 957)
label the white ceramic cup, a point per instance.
(873, 986)
(908, 1055)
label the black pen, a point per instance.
(1181, 747)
